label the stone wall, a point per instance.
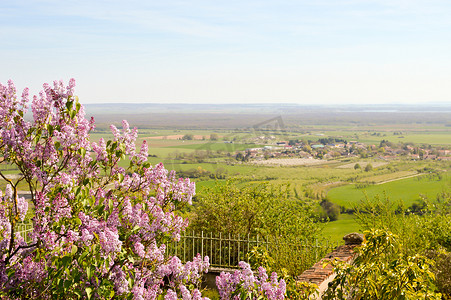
(321, 276)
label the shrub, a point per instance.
(381, 271)
(368, 167)
(281, 220)
(331, 210)
(427, 234)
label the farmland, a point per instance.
(203, 144)
(243, 127)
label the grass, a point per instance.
(336, 230)
(438, 135)
(406, 190)
(390, 176)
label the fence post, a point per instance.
(238, 251)
(248, 241)
(220, 248)
(202, 245)
(229, 251)
(194, 251)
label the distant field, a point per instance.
(407, 190)
(432, 137)
(362, 164)
(427, 135)
(215, 146)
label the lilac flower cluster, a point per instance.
(99, 229)
(243, 284)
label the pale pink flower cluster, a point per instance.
(243, 283)
(85, 201)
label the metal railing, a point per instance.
(225, 250)
(24, 229)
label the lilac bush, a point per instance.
(243, 284)
(100, 228)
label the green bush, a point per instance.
(281, 220)
(381, 271)
(427, 233)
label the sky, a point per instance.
(246, 51)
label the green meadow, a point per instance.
(406, 190)
(336, 230)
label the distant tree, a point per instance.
(357, 166)
(214, 137)
(293, 142)
(330, 140)
(368, 167)
(307, 148)
(331, 210)
(421, 154)
(385, 143)
(239, 156)
(188, 137)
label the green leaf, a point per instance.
(121, 177)
(88, 272)
(131, 259)
(60, 284)
(82, 152)
(110, 205)
(67, 284)
(136, 228)
(74, 249)
(69, 104)
(88, 292)
(50, 129)
(101, 209)
(66, 260)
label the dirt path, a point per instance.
(400, 178)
